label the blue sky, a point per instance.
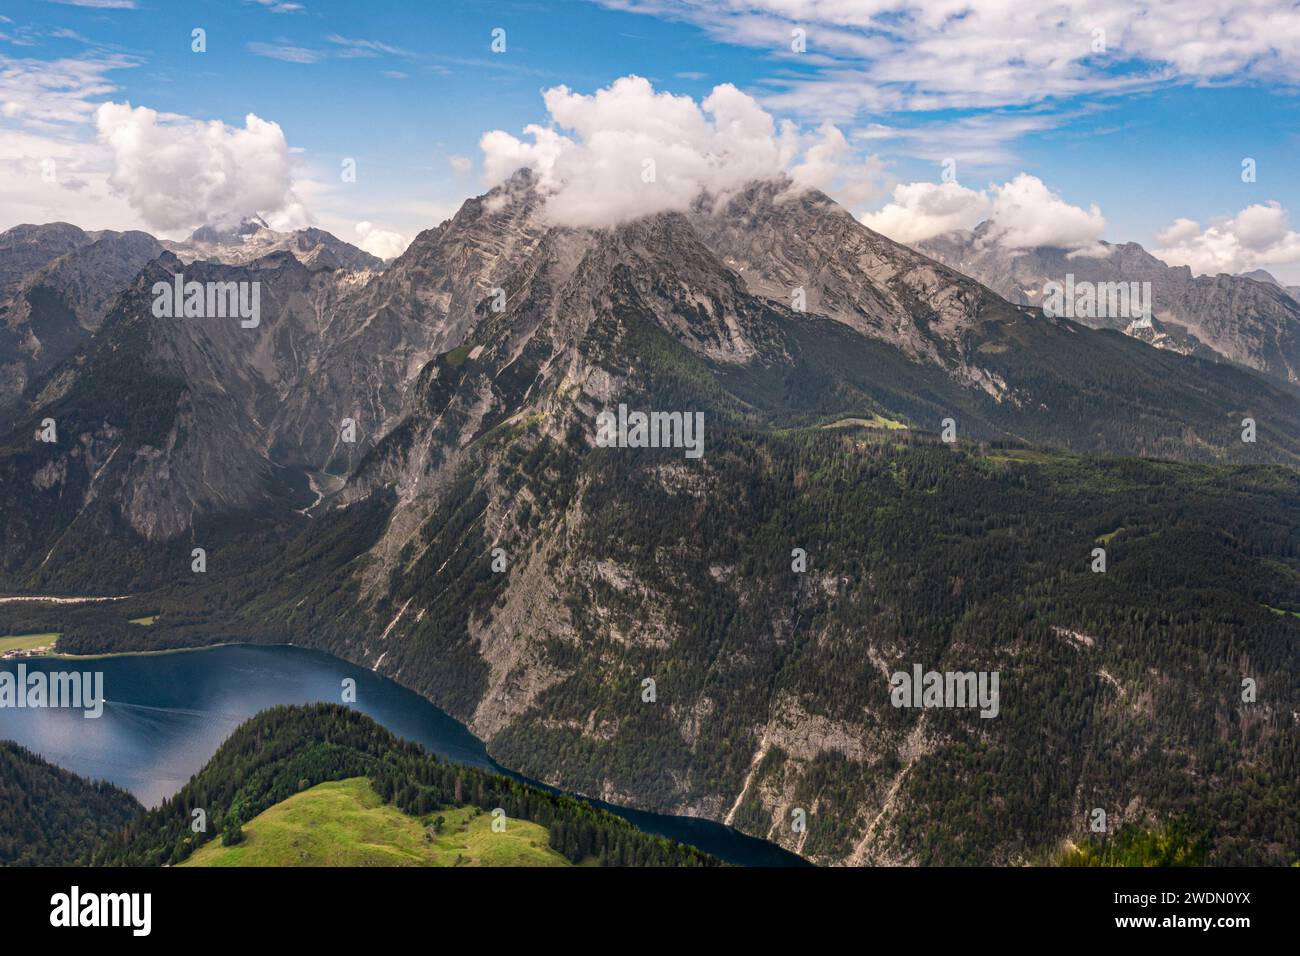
(1152, 131)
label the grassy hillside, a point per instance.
(345, 823)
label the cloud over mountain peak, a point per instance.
(628, 151)
(178, 172)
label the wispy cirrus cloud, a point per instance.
(979, 140)
(350, 47)
(286, 52)
(99, 4)
(43, 92)
(338, 47)
(890, 55)
(279, 6)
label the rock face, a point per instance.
(780, 240)
(1248, 319)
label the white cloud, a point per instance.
(503, 153)
(635, 151)
(460, 165)
(822, 161)
(1026, 214)
(1257, 237)
(380, 242)
(951, 54)
(1021, 213)
(180, 172)
(1179, 231)
(921, 211)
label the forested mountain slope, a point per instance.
(50, 817)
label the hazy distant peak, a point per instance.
(247, 226)
(1261, 275)
(252, 238)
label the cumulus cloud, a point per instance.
(628, 151)
(380, 242)
(1026, 214)
(921, 211)
(1021, 214)
(1258, 236)
(178, 172)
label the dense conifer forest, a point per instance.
(50, 817)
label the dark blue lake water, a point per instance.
(167, 713)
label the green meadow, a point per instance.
(25, 642)
(344, 823)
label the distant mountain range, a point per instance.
(945, 459)
(1251, 319)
